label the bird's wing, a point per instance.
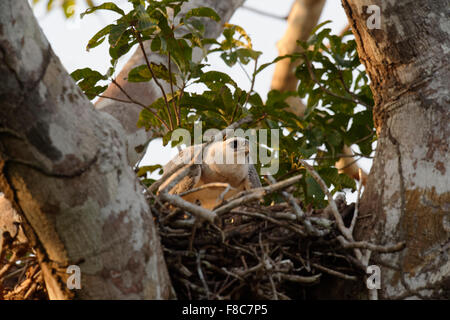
(188, 182)
(184, 156)
(253, 177)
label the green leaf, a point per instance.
(68, 7)
(123, 46)
(196, 101)
(86, 73)
(142, 73)
(202, 12)
(144, 169)
(105, 6)
(313, 188)
(155, 45)
(116, 33)
(99, 37)
(139, 74)
(147, 120)
(265, 65)
(216, 77)
(340, 181)
(87, 79)
(245, 55)
(144, 21)
(230, 59)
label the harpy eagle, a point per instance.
(226, 162)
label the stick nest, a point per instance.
(20, 274)
(253, 252)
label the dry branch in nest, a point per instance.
(20, 274)
(245, 250)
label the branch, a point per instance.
(131, 100)
(332, 203)
(197, 211)
(300, 215)
(264, 13)
(149, 66)
(370, 246)
(358, 196)
(329, 92)
(255, 194)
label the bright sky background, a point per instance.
(70, 37)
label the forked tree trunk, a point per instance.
(408, 192)
(64, 167)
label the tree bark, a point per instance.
(147, 92)
(64, 167)
(302, 19)
(408, 192)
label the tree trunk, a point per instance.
(408, 193)
(147, 92)
(302, 19)
(64, 167)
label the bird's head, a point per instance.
(234, 151)
(229, 158)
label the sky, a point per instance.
(70, 37)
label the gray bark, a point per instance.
(63, 165)
(408, 192)
(147, 92)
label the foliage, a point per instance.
(331, 80)
(67, 6)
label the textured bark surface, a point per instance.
(147, 92)
(64, 167)
(408, 192)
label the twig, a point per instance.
(264, 13)
(299, 279)
(255, 194)
(252, 80)
(337, 216)
(272, 220)
(207, 186)
(139, 103)
(354, 96)
(332, 203)
(9, 264)
(188, 206)
(372, 247)
(355, 213)
(200, 274)
(176, 111)
(334, 272)
(299, 212)
(324, 89)
(141, 45)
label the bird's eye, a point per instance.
(235, 144)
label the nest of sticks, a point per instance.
(20, 274)
(239, 250)
(244, 250)
(253, 251)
